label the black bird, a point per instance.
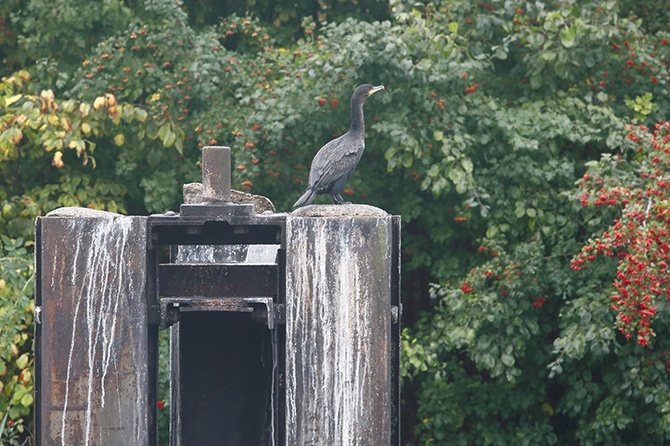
(334, 163)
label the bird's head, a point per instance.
(366, 90)
(361, 93)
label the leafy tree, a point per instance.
(286, 16)
(55, 34)
(561, 79)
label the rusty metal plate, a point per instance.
(217, 280)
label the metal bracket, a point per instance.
(395, 314)
(262, 308)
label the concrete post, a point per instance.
(339, 322)
(92, 373)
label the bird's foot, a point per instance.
(337, 199)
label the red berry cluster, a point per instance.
(539, 302)
(640, 237)
(472, 88)
(466, 288)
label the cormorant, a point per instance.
(334, 163)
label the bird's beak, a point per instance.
(376, 89)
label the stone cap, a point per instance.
(340, 211)
(75, 212)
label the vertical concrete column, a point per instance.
(92, 375)
(339, 262)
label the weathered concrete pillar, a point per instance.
(92, 372)
(339, 326)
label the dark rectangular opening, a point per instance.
(227, 370)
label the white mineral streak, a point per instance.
(262, 254)
(208, 254)
(196, 254)
(105, 287)
(332, 393)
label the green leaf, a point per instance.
(407, 160)
(169, 139)
(19, 391)
(567, 36)
(12, 99)
(27, 400)
(548, 55)
(141, 114)
(154, 158)
(151, 129)
(424, 64)
(453, 27)
(507, 359)
(457, 176)
(501, 53)
(22, 361)
(536, 81)
(519, 212)
(163, 132)
(467, 165)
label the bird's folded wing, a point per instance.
(332, 161)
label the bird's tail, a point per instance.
(306, 198)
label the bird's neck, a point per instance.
(357, 121)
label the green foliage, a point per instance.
(51, 148)
(56, 33)
(286, 17)
(492, 343)
(16, 339)
(552, 93)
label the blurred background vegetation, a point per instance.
(502, 127)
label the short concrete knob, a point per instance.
(216, 173)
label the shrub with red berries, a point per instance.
(636, 185)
